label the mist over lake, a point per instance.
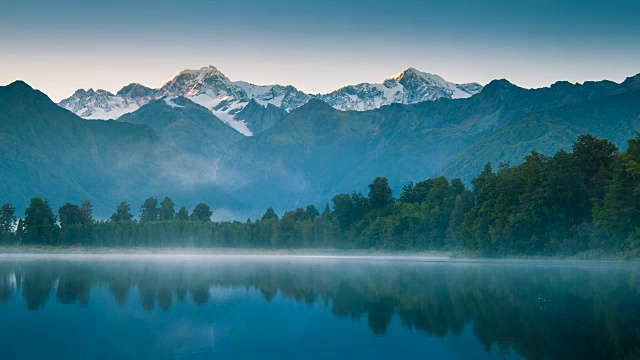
(207, 306)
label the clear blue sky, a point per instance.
(318, 46)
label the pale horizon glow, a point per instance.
(59, 48)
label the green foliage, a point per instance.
(619, 213)
(74, 221)
(202, 212)
(70, 214)
(39, 223)
(270, 214)
(312, 212)
(149, 210)
(349, 209)
(183, 214)
(415, 194)
(123, 213)
(380, 194)
(167, 209)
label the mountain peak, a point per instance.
(413, 73)
(135, 90)
(90, 92)
(192, 82)
(20, 89)
(203, 72)
(499, 84)
(19, 84)
(498, 88)
(22, 92)
(410, 71)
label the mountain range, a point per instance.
(317, 151)
(298, 154)
(227, 99)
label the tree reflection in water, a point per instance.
(540, 310)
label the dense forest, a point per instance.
(561, 205)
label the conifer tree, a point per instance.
(167, 209)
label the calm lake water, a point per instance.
(225, 307)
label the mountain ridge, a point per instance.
(226, 99)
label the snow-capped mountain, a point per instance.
(225, 98)
(207, 87)
(99, 104)
(408, 87)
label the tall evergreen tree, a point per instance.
(123, 213)
(167, 209)
(149, 210)
(39, 223)
(327, 211)
(270, 214)
(380, 193)
(183, 214)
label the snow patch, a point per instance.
(171, 103)
(97, 113)
(239, 125)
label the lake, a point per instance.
(273, 307)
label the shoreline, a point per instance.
(78, 252)
(306, 252)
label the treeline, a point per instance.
(584, 200)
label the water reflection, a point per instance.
(539, 311)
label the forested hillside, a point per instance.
(560, 205)
(317, 151)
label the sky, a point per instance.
(317, 46)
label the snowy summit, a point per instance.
(210, 88)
